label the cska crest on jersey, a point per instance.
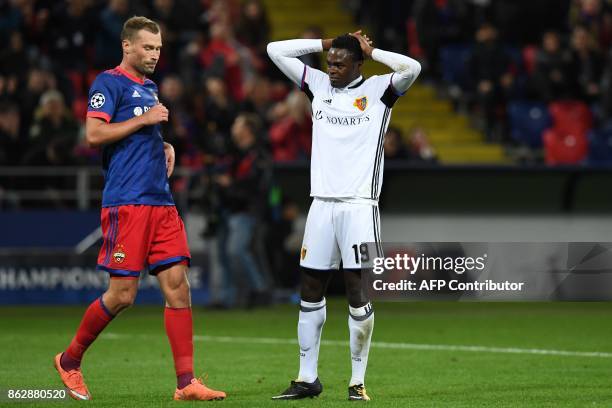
(361, 103)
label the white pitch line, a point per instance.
(393, 346)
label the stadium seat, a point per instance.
(600, 147)
(564, 147)
(528, 120)
(454, 63)
(571, 116)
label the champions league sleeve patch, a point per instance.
(97, 100)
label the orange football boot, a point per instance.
(197, 391)
(73, 380)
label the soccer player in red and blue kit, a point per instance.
(141, 226)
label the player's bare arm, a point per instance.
(98, 132)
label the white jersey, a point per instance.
(349, 124)
(348, 128)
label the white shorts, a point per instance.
(337, 231)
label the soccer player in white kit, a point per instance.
(350, 114)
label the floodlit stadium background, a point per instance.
(505, 137)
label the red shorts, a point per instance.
(139, 236)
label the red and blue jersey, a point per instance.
(134, 167)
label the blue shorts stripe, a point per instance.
(115, 230)
(109, 237)
(121, 272)
(167, 261)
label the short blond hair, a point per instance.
(135, 24)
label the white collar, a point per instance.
(354, 82)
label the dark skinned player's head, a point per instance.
(344, 61)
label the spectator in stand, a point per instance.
(258, 98)
(395, 147)
(172, 93)
(71, 29)
(417, 150)
(178, 22)
(552, 77)
(284, 240)
(11, 18)
(605, 34)
(590, 14)
(223, 56)
(587, 64)
(420, 149)
(606, 91)
(108, 33)
(179, 131)
(223, 11)
(166, 14)
(220, 109)
(490, 79)
(30, 17)
(10, 141)
(254, 28)
(8, 88)
(13, 59)
(38, 81)
(244, 191)
(291, 132)
(523, 21)
(440, 22)
(53, 135)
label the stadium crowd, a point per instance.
(531, 73)
(518, 67)
(212, 70)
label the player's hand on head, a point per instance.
(157, 114)
(365, 42)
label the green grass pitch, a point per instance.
(131, 364)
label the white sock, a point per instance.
(361, 324)
(310, 325)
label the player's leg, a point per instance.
(361, 325)
(119, 296)
(121, 237)
(318, 259)
(168, 260)
(178, 321)
(358, 224)
(312, 317)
